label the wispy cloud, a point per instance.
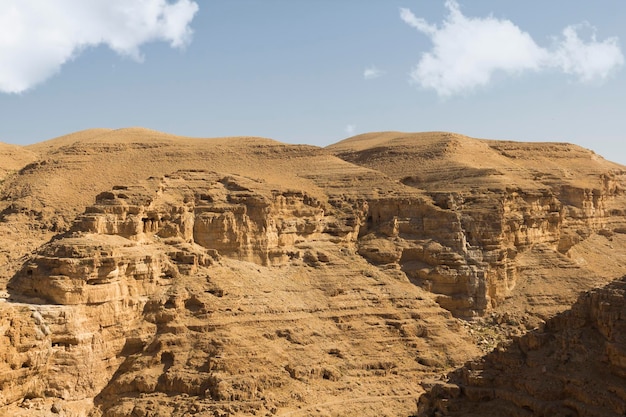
(38, 36)
(350, 129)
(372, 72)
(467, 52)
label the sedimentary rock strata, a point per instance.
(149, 274)
(500, 201)
(207, 293)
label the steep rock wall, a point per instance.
(500, 202)
(204, 293)
(574, 366)
(467, 248)
(237, 217)
(463, 247)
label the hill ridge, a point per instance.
(171, 275)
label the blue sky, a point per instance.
(316, 71)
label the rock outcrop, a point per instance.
(500, 202)
(216, 294)
(575, 365)
(237, 217)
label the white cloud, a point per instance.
(588, 61)
(372, 72)
(350, 129)
(467, 52)
(38, 36)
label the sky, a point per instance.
(317, 71)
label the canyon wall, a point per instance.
(575, 365)
(495, 210)
(205, 293)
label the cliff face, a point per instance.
(502, 203)
(238, 276)
(206, 293)
(574, 366)
(237, 217)
(464, 247)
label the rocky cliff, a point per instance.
(216, 294)
(505, 207)
(149, 274)
(575, 365)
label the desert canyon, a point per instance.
(390, 274)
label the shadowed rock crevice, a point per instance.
(575, 365)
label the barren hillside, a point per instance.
(156, 275)
(544, 221)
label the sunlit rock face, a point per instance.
(148, 274)
(492, 207)
(237, 217)
(218, 288)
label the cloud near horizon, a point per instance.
(38, 36)
(467, 52)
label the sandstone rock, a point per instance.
(573, 366)
(242, 276)
(206, 293)
(495, 203)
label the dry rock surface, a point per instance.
(146, 274)
(528, 225)
(574, 365)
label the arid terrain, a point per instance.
(390, 274)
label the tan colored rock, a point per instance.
(147, 306)
(241, 276)
(574, 365)
(499, 201)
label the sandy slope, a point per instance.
(13, 158)
(449, 161)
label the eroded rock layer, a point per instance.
(502, 204)
(216, 294)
